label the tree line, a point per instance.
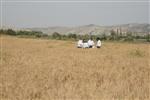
(22, 33)
(114, 36)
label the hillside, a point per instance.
(140, 29)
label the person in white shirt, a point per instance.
(99, 44)
(85, 44)
(80, 43)
(91, 43)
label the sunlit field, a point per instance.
(38, 69)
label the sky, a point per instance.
(46, 14)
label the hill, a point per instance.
(140, 29)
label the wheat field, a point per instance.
(37, 69)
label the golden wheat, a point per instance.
(35, 69)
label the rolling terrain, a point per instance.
(139, 29)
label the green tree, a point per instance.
(72, 36)
(148, 37)
(103, 37)
(2, 31)
(56, 35)
(113, 35)
(129, 37)
(11, 32)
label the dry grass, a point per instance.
(35, 69)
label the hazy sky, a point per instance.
(44, 14)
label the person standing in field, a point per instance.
(80, 43)
(85, 44)
(99, 44)
(91, 43)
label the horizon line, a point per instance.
(73, 25)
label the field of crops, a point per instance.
(36, 69)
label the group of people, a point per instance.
(89, 44)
